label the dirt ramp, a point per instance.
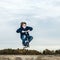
(29, 57)
(18, 58)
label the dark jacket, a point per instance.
(22, 29)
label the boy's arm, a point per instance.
(30, 28)
(18, 30)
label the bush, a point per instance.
(19, 52)
(57, 52)
(48, 52)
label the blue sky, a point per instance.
(42, 15)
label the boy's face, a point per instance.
(24, 25)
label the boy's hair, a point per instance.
(22, 23)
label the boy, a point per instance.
(24, 34)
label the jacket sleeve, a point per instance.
(19, 30)
(29, 28)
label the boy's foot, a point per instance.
(24, 47)
(27, 43)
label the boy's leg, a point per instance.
(23, 40)
(30, 38)
(27, 43)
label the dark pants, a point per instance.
(24, 39)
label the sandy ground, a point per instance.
(29, 57)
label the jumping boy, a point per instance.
(24, 34)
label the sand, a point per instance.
(29, 57)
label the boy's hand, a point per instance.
(23, 31)
(28, 31)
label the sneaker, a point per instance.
(27, 44)
(24, 47)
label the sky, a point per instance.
(42, 15)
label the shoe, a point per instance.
(27, 44)
(24, 47)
